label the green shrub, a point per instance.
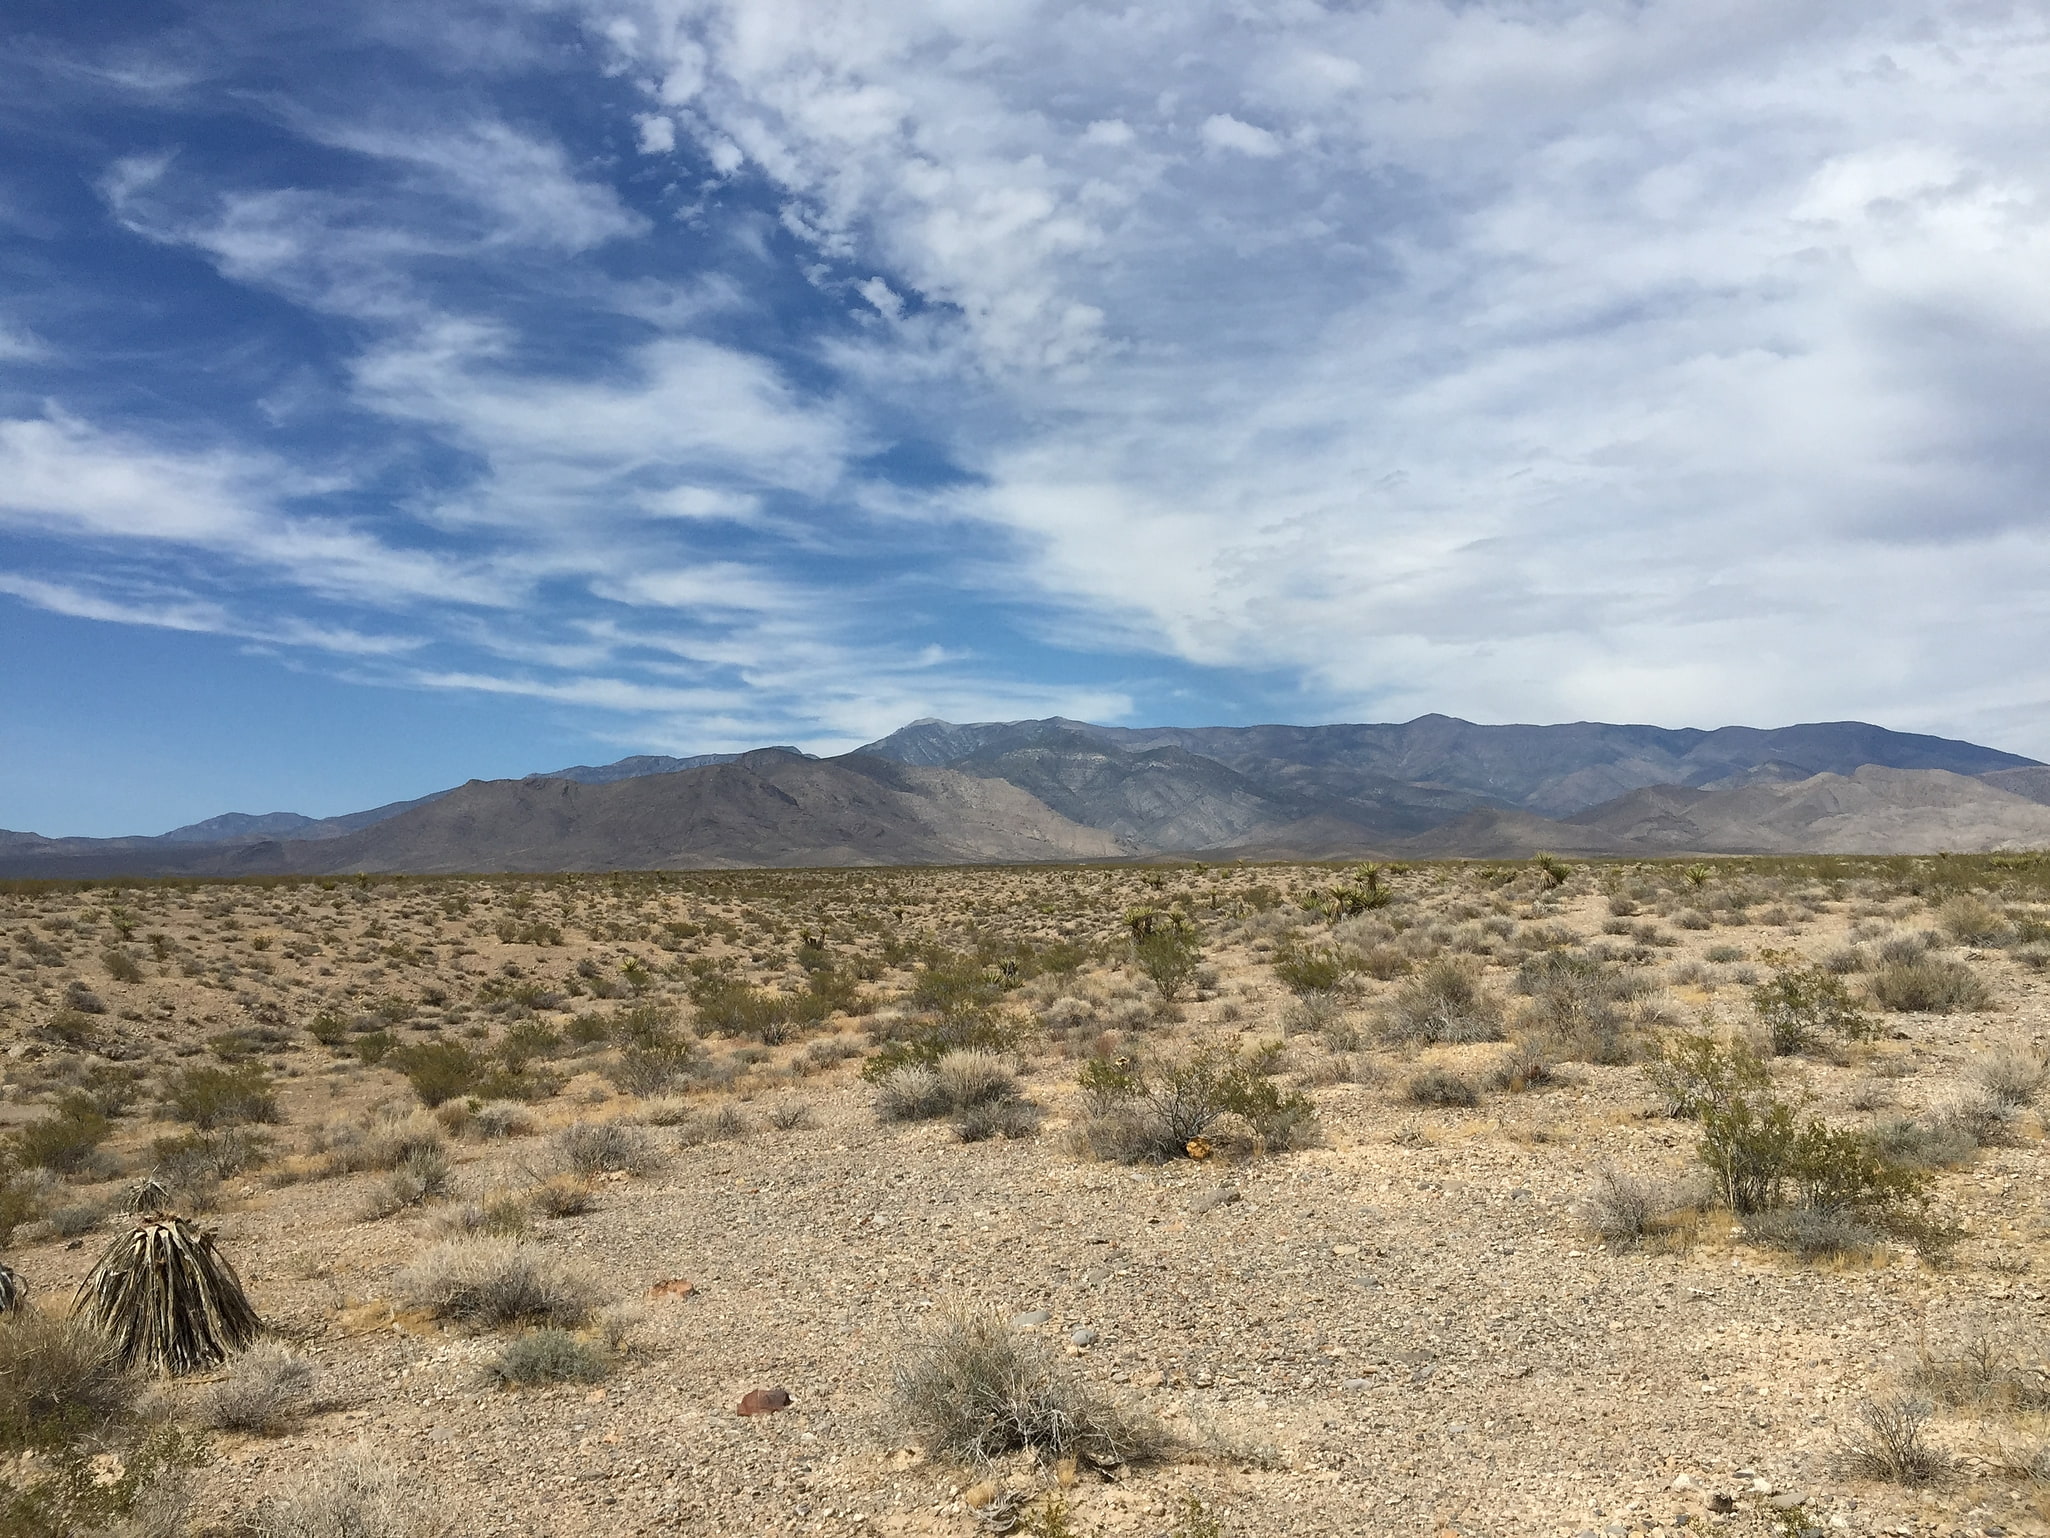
(1696, 1074)
(1168, 958)
(441, 1070)
(1146, 1110)
(1799, 1005)
(1306, 969)
(121, 966)
(547, 1356)
(64, 1141)
(730, 1007)
(1929, 985)
(222, 1097)
(970, 1031)
(1575, 1005)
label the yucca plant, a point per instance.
(167, 1298)
(13, 1290)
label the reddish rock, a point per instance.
(673, 1287)
(764, 1401)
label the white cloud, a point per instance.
(1222, 131)
(658, 134)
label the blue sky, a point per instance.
(393, 394)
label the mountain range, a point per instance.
(939, 792)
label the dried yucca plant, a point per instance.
(167, 1298)
(13, 1290)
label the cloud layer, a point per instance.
(780, 371)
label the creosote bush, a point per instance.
(1801, 1005)
(1148, 1109)
(65, 1141)
(974, 1391)
(222, 1097)
(490, 1283)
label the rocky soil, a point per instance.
(1408, 1328)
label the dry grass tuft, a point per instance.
(1887, 1443)
(270, 1388)
(490, 1283)
(358, 1495)
(976, 1391)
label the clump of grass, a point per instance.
(424, 1176)
(359, 1494)
(61, 1381)
(270, 1388)
(503, 1214)
(978, 1089)
(1441, 1088)
(563, 1196)
(792, 1116)
(386, 1142)
(1444, 1002)
(489, 1283)
(1624, 1210)
(1011, 1120)
(546, 1356)
(1813, 1233)
(1929, 985)
(1524, 1067)
(590, 1148)
(1888, 1443)
(1969, 920)
(975, 1391)
(2013, 1074)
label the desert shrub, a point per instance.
(1799, 1005)
(65, 1141)
(1969, 921)
(970, 1078)
(384, 1142)
(562, 1196)
(730, 1007)
(1444, 1002)
(200, 1156)
(142, 1492)
(490, 1283)
(972, 1031)
(424, 1175)
(1696, 1074)
(1902, 948)
(1576, 1004)
(1008, 1119)
(1924, 1145)
(1929, 985)
(1622, 1210)
(975, 1391)
(1162, 1107)
(1441, 1088)
(1525, 1066)
(441, 1071)
(82, 999)
(502, 1119)
(1305, 969)
(1846, 960)
(121, 966)
(2013, 1074)
(501, 1213)
(792, 1116)
(596, 1147)
(1169, 958)
(1888, 1443)
(358, 1494)
(1813, 1233)
(269, 1387)
(1986, 1374)
(60, 1382)
(210, 1097)
(910, 1093)
(21, 1201)
(546, 1356)
(1972, 1113)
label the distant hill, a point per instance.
(940, 792)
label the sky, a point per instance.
(395, 394)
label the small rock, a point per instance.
(1215, 1197)
(674, 1287)
(1722, 1502)
(1031, 1319)
(764, 1401)
(1094, 1275)
(1359, 1382)
(1683, 1482)
(1082, 1336)
(1786, 1500)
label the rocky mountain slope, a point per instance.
(936, 791)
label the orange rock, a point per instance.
(671, 1287)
